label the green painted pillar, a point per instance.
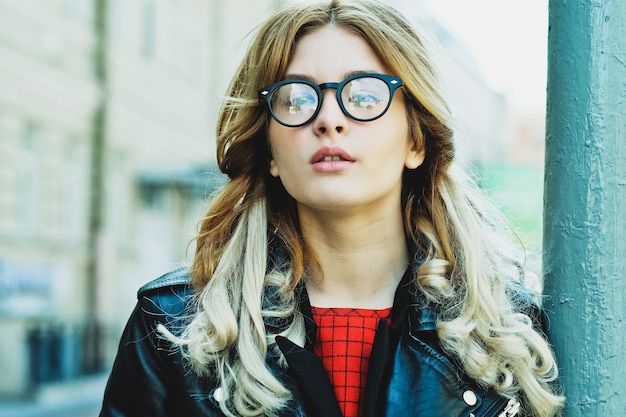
(585, 202)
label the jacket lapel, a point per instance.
(376, 371)
(385, 343)
(308, 370)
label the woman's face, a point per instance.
(334, 163)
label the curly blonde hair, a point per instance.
(468, 271)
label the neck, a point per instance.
(362, 259)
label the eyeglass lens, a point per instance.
(364, 98)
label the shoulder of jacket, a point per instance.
(176, 279)
(167, 298)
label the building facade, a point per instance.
(106, 156)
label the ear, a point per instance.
(414, 158)
(273, 168)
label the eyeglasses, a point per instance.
(362, 97)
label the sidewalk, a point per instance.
(80, 398)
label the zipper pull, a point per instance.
(511, 409)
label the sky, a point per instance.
(508, 39)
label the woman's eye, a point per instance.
(364, 98)
(366, 92)
(302, 100)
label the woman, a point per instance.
(346, 268)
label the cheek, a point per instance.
(277, 145)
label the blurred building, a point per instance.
(502, 143)
(106, 156)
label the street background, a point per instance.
(107, 112)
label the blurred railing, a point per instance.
(62, 352)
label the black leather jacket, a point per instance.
(409, 374)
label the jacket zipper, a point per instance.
(511, 409)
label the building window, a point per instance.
(28, 181)
(119, 24)
(149, 29)
(175, 34)
(117, 197)
(73, 216)
(79, 9)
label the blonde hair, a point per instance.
(467, 275)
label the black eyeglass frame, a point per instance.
(391, 81)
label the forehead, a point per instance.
(329, 53)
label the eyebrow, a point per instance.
(311, 79)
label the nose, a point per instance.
(330, 118)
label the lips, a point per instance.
(331, 154)
(331, 160)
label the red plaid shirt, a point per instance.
(344, 343)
